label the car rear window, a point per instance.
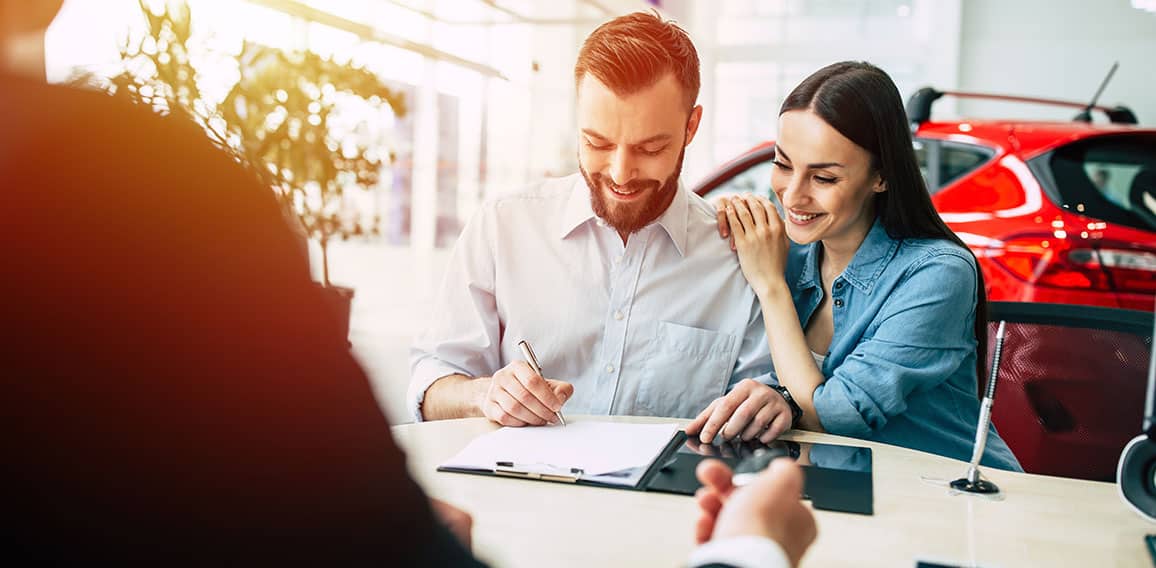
(942, 162)
(1104, 178)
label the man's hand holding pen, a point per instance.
(517, 395)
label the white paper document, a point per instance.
(609, 452)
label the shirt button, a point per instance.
(839, 285)
(838, 302)
(617, 259)
(618, 315)
(610, 368)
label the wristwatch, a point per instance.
(796, 411)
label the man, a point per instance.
(615, 275)
(173, 390)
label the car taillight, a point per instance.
(1063, 263)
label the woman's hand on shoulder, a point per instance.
(751, 410)
(758, 234)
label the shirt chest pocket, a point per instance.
(686, 368)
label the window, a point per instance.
(957, 160)
(942, 162)
(1111, 178)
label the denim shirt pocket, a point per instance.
(686, 368)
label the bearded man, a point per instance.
(614, 274)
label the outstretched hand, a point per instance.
(770, 507)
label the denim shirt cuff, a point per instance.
(838, 412)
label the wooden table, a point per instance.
(1041, 521)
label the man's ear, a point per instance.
(692, 123)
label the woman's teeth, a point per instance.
(802, 218)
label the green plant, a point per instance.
(278, 119)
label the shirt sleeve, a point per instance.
(463, 334)
(740, 552)
(754, 358)
(924, 332)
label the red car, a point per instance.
(1058, 212)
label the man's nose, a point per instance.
(622, 169)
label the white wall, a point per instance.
(1058, 49)
(754, 52)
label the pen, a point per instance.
(535, 471)
(528, 467)
(528, 353)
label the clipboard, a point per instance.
(836, 477)
(576, 476)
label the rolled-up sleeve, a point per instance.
(923, 333)
(462, 336)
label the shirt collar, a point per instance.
(674, 219)
(872, 257)
(809, 277)
(868, 263)
(578, 211)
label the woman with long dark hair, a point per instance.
(875, 316)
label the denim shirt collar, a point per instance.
(870, 259)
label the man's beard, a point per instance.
(629, 218)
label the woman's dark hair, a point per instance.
(862, 102)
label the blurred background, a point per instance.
(399, 116)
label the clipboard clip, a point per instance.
(540, 471)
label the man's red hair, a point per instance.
(632, 52)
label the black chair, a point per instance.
(1072, 384)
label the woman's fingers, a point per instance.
(743, 212)
(758, 213)
(737, 229)
(774, 218)
(721, 213)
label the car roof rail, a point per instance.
(919, 105)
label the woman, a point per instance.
(890, 301)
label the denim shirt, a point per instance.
(901, 367)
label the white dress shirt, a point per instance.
(741, 552)
(660, 326)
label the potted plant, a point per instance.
(278, 120)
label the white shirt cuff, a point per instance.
(742, 552)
